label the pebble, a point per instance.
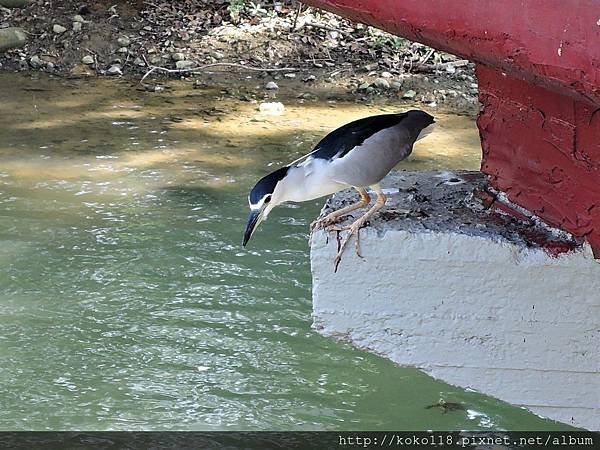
(271, 85)
(50, 65)
(290, 75)
(386, 75)
(123, 50)
(124, 41)
(177, 56)
(36, 62)
(274, 108)
(185, 64)
(363, 87)
(139, 61)
(77, 27)
(81, 70)
(58, 29)
(79, 19)
(114, 70)
(409, 94)
(87, 59)
(381, 83)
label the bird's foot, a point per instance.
(354, 229)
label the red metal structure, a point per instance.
(538, 67)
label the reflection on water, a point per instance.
(126, 300)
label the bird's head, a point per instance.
(264, 196)
(420, 123)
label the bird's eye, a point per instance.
(267, 199)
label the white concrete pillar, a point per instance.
(471, 296)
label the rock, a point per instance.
(139, 61)
(123, 50)
(177, 56)
(217, 55)
(79, 19)
(81, 70)
(274, 108)
(381, 83)
(409, 94)
(114, 70)
(428, 98)
(77, 26)
(36, 62)
(12, 37)
(58, 29)
(157, 60)
(271, 85)
(185, 64)
(363, 86)
(396, 85)
(50, 66)
(87, 60)
(124, 41)
(386, 75)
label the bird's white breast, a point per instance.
(312, 179)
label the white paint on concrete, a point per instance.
(476, 311)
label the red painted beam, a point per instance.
(552, 43)
(538, 67)
(543, 150)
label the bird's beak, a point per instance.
(254, 219)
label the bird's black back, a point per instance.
(340, 141)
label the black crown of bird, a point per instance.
(357, 155)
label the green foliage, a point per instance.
(383, 39)
(235, 9)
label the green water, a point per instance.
(126, 300)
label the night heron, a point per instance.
(359, 155)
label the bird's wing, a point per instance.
(339, 142)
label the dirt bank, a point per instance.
(211, 41)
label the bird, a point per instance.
(356, 155)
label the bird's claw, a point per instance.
(354, 229)
(324, 223)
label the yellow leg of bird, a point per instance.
(335, 216)
(354, 228)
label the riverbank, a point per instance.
(281, 44)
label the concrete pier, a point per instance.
(450, 284)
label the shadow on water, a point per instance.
(126, 299)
